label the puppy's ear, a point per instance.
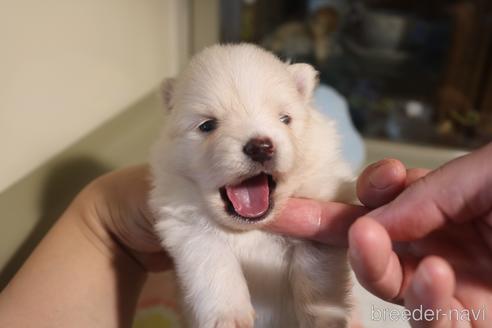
(167, 92)
(305, 78)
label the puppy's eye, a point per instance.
(208, 126)
(286, 119)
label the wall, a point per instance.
(67, 66)
(205, 23)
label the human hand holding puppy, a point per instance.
(117, 201)
(428, 244)
(92, 263)
(89, 269)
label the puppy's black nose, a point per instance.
(259, 149)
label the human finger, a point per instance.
(457, 192)
(414, 175)
(381, 182)
(429, 297)
(326, 222)
(375, 264)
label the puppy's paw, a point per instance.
(236, 319)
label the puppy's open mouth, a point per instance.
(251, 200)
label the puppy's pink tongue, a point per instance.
(250, 198)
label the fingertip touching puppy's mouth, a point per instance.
(250, 200)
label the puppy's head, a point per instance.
(237, 116)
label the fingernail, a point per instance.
(383, 176)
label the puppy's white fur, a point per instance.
(231, 273)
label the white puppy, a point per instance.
(239, 138)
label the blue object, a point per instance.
(329, 102)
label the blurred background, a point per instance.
(404, 79)
(412, 71)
